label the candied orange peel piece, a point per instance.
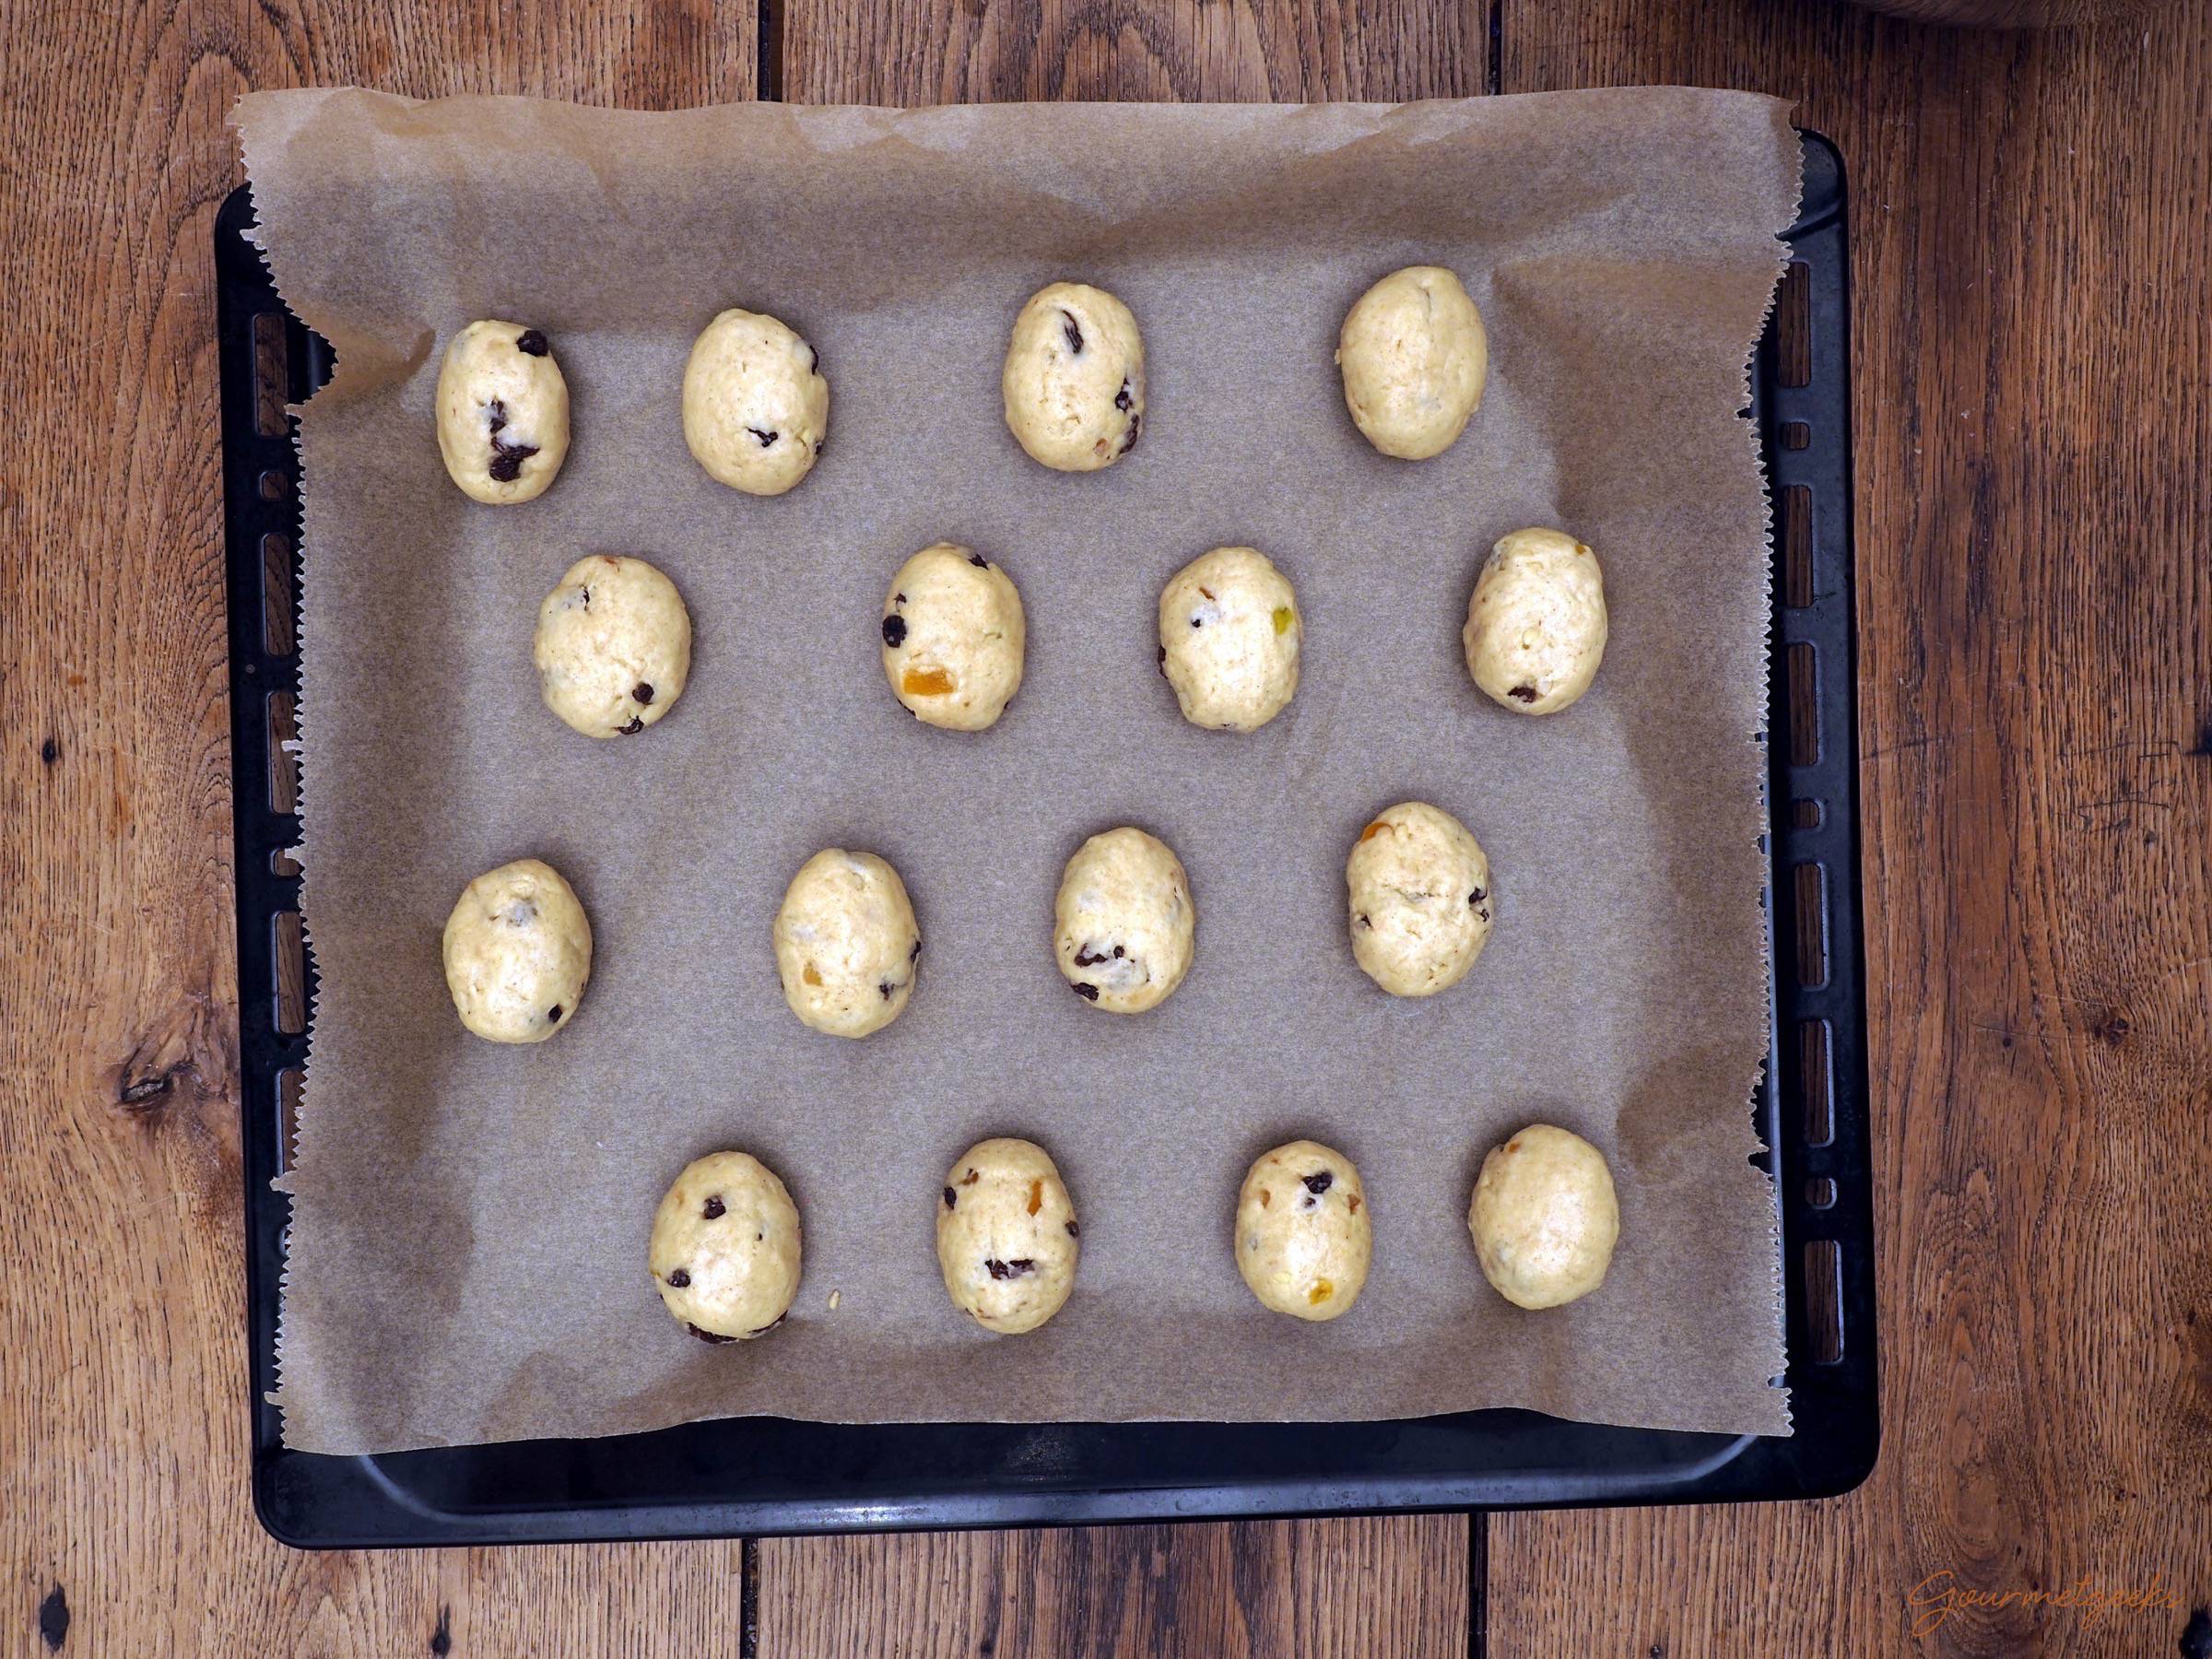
(926, 682)
(1321, 1292)
(1282, 618)
(1036, 1196)
(1374, 829)
(812, 975)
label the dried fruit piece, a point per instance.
(713, 1209)
(894, 631)
(633, 728)
(1088, 992)
(1020, 1267)
(1036, 1196)
(641, 692)
(1373, 829)
(1320, 1293)
(1122, 400)
(531, 343)
(1320, 1182)
(1283, 615)
(714, 1337)
(812, 974)
(679, 1279)
(1522, 694)
(926, 682)
(1075, 334)
(1073, 1230)
(553, 1015)
(951, 1198)
(767, 438)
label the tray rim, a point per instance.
(1832, 1450)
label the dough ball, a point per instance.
(1006, 1236)
(1303, 1240)
(518, 952)
(1536, 628)
(1413, 359)
(756, 406)
(725, 1248)
(953, 636)
(1124, 922)
(846, 942)
(502, 413)
(1543, 1217)
(1075, 377)
(614, 646)
(1420, 900)
(1229, 638)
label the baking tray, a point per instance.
(771, 1474)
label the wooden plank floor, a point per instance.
(2034, 427)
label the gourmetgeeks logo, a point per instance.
(1939, 1596)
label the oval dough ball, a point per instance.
(953, 637)
(846, 942)
(518, 953)
(725, 1248)
(1124, 922)
(1303, 1240)
(1543, 1217)
(1414, 357)
(1420, 900)
(1075, 377)
(756, 406)
(614, 646)
(1006, 1236)
(1536, 628)
(1228, 638)
(502, 413)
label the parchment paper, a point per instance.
(467, 1249)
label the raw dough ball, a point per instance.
(1420, 900)
(1543, 1217)
(518, 951)
(1414, 358)
(1075, 377)
(1229, 638)
(1536, 628)
(756, 406)
(503, 412)
(1126, 924)
(953, 636)
(725, 1248)
(1006, 1236)
(846, 942)
(614, 646)
(1302, 1235)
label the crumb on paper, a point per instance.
(833, 1295)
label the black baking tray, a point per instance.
(769, 1475)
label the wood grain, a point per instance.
(1397, 1587)
(2033, 391)
(1329, 1589)
(924, 52)
(127, 1527)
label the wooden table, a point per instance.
(2032, 226)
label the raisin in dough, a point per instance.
(1075, 377)
(1420, 900)
(518, 952)
(1229, 638)
(756, 406)
(502, 413)
(1543, 1217)
(1536, 628)
(1413, 359)
(846, 942)
(1126, 924)
(1006, 1236)
(614, 646)
(724, 1252)
(953, 637)
(1303, 1241)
